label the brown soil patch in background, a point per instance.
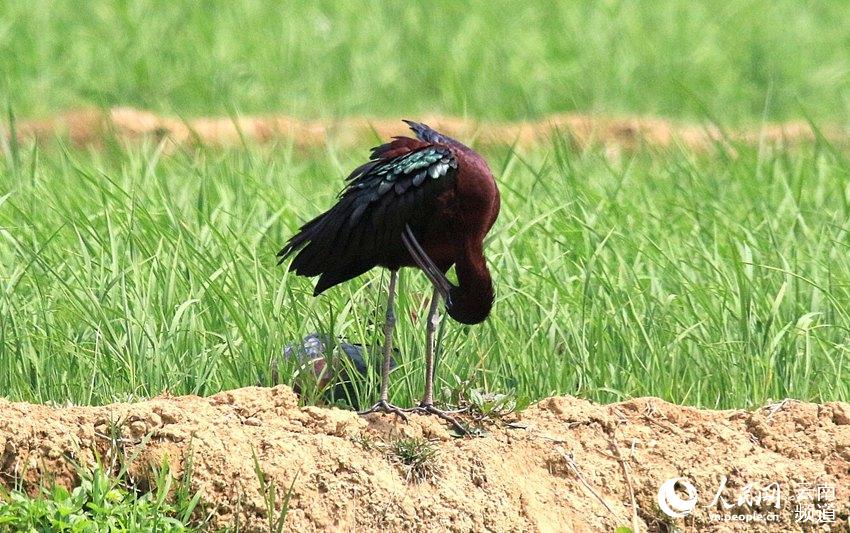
(90, 127)
(565, 464)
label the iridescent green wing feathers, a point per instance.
(398, 175)
(381, 197)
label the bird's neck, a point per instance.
(472, 299)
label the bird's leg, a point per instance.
(427, 404)
(430, 345)
(383, 405)
(389, 326)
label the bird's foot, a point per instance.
(384, 406)
(430, 409)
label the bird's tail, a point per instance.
(313, 248)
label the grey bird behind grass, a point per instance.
(326, 373)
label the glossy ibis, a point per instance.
(427, 203)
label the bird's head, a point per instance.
(469, 304)
(468, 308)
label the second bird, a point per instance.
(426, 203)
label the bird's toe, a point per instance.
(384, 406)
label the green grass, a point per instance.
(737, 61)
(712, 280)
(709, 280)
(99, 502)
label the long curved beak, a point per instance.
(434, 274)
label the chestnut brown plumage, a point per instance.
(427, 203)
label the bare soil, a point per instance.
(564, 464)
(93, 127)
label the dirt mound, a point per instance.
(91, 127)
(563, 464)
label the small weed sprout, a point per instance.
(366, 441)
(490, 405)
(417, 457)
(269, 491)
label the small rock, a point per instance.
(138, 429)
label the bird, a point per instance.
(322, 368)
(425, 202)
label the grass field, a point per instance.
(737, 61)
(713, 280)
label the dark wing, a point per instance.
(382, 197)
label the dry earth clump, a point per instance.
(564, 464)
